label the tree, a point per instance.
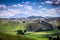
(58, 27)
(23, 21)
(30, 27)
(24, 31)
(20, 32)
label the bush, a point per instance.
(20, 32)
(24, 31)
(58, 27)
(23, 21)
(1, 39)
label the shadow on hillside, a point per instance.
(1, 39)
(50, 38)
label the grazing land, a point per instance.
(8, 31)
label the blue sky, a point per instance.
(25, 8)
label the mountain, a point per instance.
(55, 22)
(48, 19)
(31, 17)
(20, 15)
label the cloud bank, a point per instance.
(30, 10)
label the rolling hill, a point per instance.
(11, 26)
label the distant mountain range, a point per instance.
(20, 15)
(31, 17)
(24, 17)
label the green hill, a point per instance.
(8, 31)
(11, 27)
(4, 36)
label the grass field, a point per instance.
(40, 35)
(8, 32)
(4, 36)
(28, 35)
(11, 26)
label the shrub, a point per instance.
(58, 27)
(23, 21)
(20, 32)
(24, 31)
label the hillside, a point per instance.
(11, 26)
(55, 23)
(4, 36)
(39, 26)
(8, 30)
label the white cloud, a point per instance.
(17, 5)
(52, 2)
(56, 0)
(48, 2)
(40, 7)
(20, 5)
(2, 7)
(9, 12)
(14, 6)
(57, 10)
(14, 9)
(29, 8)
(52, 12)
(5, 14)
(27, 2)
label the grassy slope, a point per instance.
(42, 35)
(37, 35)
(11, 27)
(8, 31)
(55, 23)
(4, 36)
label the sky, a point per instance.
(25, 8)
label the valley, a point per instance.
(36, 29)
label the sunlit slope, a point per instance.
(54, 22)
(11, 26)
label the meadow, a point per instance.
(8, 31)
